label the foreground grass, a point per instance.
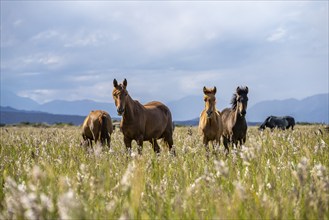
(45, 174)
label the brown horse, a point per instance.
(234, 121)
(97, 126)
(139, 122)
(210, 124)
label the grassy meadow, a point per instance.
(45, 174)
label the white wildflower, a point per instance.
(97, 149)
(221, 168)
(319, 170)
(246, 172)
(37, 173)
(268, 164)
(302, 170)
(192, 186)
(67, 205)
(126, 178)
(247, 154)
(240, 189)
(21, 187)
(46, 202)
(22, 200)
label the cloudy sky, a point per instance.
(167, 50)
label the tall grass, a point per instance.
(45, 174)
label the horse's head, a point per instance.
(119, 95)
(210, 100)
(242, 100)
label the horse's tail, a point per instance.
(103, 123)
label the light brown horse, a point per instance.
(97, 126)
(210, 123)
(234, 121)
(139, 122)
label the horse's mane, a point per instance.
(233, 101)
(242, 90)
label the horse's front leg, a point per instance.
(127, 142)
(205, 144)
(140, 144)
(233, 141)
(226, 142)
(216, 144)
(243, 141)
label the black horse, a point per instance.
(278, 122)
(291, 122)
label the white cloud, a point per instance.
(18, 22)
(172, 48)
(48, 34)
(39, 95)
(46, 59)
(278, 35)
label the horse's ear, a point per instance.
(238, 90)
(115, 83)
(214, 90)
(204, 90)
(125, 83)
(247, 90)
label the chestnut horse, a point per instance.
(139, 122)
(97, 126)
(234, 121)
(210, 123)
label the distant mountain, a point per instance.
(80, 107)
(10, 99)
(10, 115)
(310, 109)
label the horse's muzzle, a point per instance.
(243, 113)
(209, 114)
(120, 111)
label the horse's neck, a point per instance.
(215, 116)
(130, 109)
(213, 120)
(237, 117)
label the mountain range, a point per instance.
(310, 109)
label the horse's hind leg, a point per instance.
(108, 138)
(170, 142)
(155, 145)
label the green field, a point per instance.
(45, 174)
